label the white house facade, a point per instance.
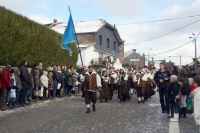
(97, 40)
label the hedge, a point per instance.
(21, 38)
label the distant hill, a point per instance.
(21, 38)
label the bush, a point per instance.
(22, 39)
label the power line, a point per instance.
(167, 33)
(173, 48)
(160, 20)
(176, 47)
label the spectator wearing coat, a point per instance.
(30, 86)
(162, 79)
(185, 91)
(18, 86)
(173, 92)
(55, 81)
(25, 81)
(197, 102)
(44, 84)
(36, 79)
(5, 80)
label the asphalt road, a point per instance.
(67, 115)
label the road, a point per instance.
(67, 115)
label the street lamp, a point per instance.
(195, 45)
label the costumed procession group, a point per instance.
(178, 89)
(109, 81)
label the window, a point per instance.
(114, 46)
(108, 43)
(100, 39)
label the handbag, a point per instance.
(12, 93)
(36, 93)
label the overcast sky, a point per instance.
(124, 13)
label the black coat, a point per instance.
(173, 91)
(185, 89)
(25, 77)
(162, 75)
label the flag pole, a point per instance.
(79, 50)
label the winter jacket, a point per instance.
(13, 80)
(25, 77)
(18, 82)
(193, 87)
(185, 87)
(55, 76)
(44, 80)
(197, 105)
(5, 78)
(162, 75)
(60, 77)
(173, 91)
(75, 79)
(50, 77)
(36, 77)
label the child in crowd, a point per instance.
(12, 93)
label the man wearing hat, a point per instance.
(90, 88)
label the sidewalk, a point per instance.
(33, 105)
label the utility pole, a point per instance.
(194, 37)
(195, 44)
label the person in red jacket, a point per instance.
(5, 84)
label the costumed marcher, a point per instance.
(130, 83)
(123, 93)
(139, 85)
(90, 88)
(151, 85)
(104, 92)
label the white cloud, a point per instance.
(137, 33)
(16, 4)
(122, 8)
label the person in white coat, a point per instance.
(44, 85)
(197, 102)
